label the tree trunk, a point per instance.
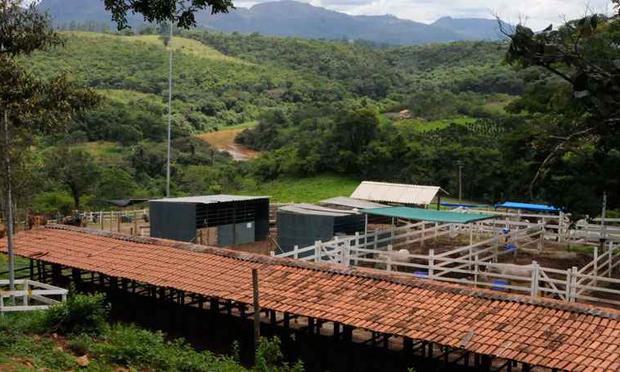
(8, 205)
(76, 200)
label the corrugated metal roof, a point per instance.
(396, 193)
(346, 201)
(314, 210)
(210, 199)
(419, 214)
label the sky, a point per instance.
(533, 13)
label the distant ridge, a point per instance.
(292, 18)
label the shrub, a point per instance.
(269, 357)
(141, 349)
(81, 314)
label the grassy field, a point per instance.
(179, 44)
(20, 263)
(305, 190)
(105, 153)
(421, 125)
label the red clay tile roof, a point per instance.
(539, 332)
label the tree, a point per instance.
(162, 11)
(75, 169)
(116, 183)
(28, 106)
(580, 116)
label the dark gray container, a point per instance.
(303, 225)
(239, 219)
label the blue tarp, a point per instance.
(527, 206)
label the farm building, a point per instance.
(303, 224)
(216, 220)
(347, 203)
(398, 193)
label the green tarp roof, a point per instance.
(419, 214)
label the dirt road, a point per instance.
(224, 140)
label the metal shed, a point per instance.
(217, 220)
(347, 203)
(304, 224)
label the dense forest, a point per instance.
(408, 114)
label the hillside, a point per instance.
(292, 18)
(224, 81)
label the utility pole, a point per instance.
(169, 111)
(256, 303)
(9, 203)
(603, 230)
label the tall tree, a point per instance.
(28, 106)
(164, 11)
(75, 169)
(580, 116)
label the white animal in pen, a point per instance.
(393, 257)
(513, 275)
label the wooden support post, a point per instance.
(214, 305)
(595, 265)
(573, 296)
(256, 304)
(610, 261)
(310, 325)
(317, 251)
(347, 333)
(407, 344)
(76, 275)
(336, 332)
(287, 320)
(431, 263)
(535, 277)
(101, 219)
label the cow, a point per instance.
(396, 256)
(510, 269)
(36, 220)
(517, 271)
(74, 220)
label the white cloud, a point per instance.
(534, 13)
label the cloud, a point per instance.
(534, 13)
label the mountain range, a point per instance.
(292, 18)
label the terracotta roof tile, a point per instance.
(542, 332)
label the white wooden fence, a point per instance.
(477, 263)
(29, 295)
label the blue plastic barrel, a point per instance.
(500, 284)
